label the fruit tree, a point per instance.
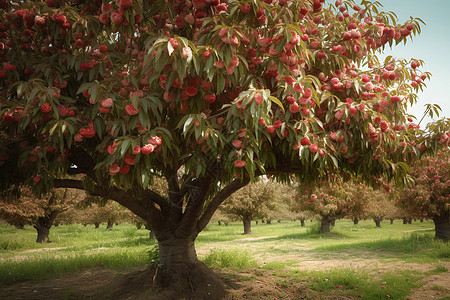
(249, 203)
(429, 197)
(206, 94)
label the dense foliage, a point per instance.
(206, 94)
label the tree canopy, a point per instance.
(204, 93)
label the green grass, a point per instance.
(76, 247)
(230, 258)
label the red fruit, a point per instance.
(270, 130)
(103, 48)
(156, 141)
(258, 98)
(46, 107)
(107, 103)
(239, 163)
(174, 43)
(87, 132)
(116, 18)
(294, 108)
(190, 91)
(410, 119)
(365, 78)
(147, 149)
(129, 159)
(377, 119)
(236, 144)
(111, 148)
(290, 99)
(125, 169)
(296, 146)
(305, 111)
(277, 124)
(210, 98)
(304, 141)
(9, 67)
(321, 152)
(313, 148)
(131, 110)
(136, 150)
(395, 99)
(114, 170)
(196, 122)
(384, 126)
(245, 8)
(261, 121)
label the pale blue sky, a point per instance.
(432, 46)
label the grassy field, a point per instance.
(360, 261)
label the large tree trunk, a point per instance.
(378, 221)
(325, 224)
(247, 225)
(180, 271)
(43, 225)
(442, 226)
(333, 222)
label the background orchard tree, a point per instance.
(429, 196)
(25, 208)
(332, 200)
(206, 95)
(251, 202)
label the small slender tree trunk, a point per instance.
(378, 221)
(97, 224)
(256, 222)
(302, 222)
(409, 220)
(247, 225)
(218, 222)
(269, 221)
(110, 225)
(405, 221)
(325, 225)
(355, 221)
(392, 220)
(442, 226)
(43, 225)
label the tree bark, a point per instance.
(247, 225)
(325, 225)
(43, 225)
(269, 221)
(355, 221)
(179, 270)
(378, 221)
(96, 225)
(109, 225)
(333, 222)
(442, 226)
(302, 222)
(392, 220)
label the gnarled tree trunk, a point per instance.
(442, 226)
(43, 225)
(325, 224)
(378, 221)
(247, 225)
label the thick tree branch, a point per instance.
(143, 208)
(221, 196)
(198, 193)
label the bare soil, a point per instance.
(103, 283)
